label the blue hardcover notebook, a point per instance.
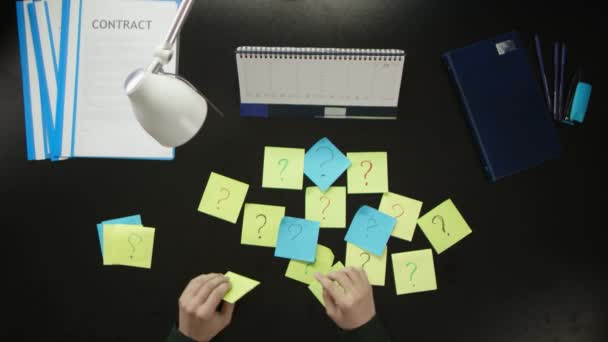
(504, 105)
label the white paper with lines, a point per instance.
(116, 38)
(320, 76)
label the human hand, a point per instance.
(351, 304)
(199, 318)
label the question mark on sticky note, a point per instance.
(298, 230)
(283, 162)
(224, 190)
(263, 224)
(366, 261)
(440, 219)
(324, 162)
(369, 169)
(134, 240)
(326, 206)
(401, 210)
(306, 268)
(412, 272)
(371, 223)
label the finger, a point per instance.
(342, 278)
(226, 312)
(214, 299)
(203, 293)
(328, 286)
(363, 275)
(355, 276)
(193, 286)
(330, 306)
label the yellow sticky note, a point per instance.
(317, 289)
(305, 272)
(128, 245)
(283, 168)
(261, 224)
(241, 285)
(405, 210)
(374, 266)
(368, 173)
(329, 208)
(223, 197)
(444, 226)
(414, 271)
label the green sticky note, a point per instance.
(444, 226)
(261, 224)
(305, 272)
(368, 173)
(405, 210)
(283, 168)
(317, 289)
(128, 245)
(223, 197)
(374, 266)
(414, 271)
(329, 208)
(241, 285)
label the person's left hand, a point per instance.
(199, 318)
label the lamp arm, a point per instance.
(178, 22)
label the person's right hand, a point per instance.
(351, 304)
(199, 318)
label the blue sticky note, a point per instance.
(297, 239)
(135, 220)
(370, 230)
(324, 163)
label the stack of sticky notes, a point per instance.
(368, 232)
(125, 241)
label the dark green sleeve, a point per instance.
(372, 331)
(176, 336)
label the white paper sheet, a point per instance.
(98, 119)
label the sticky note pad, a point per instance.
(283, 168)
(324, 163)
(414, 271)
(374, 266)
(241, 285)
(223, 197)
(329, 208)
(261, 224)
(131, 220)
(405, 210)
(370, 230)
(444, 226)
(317, 289)
(297, 239)
(368, 173)
(305, 272)
(128, 245)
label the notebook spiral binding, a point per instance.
(262, 52)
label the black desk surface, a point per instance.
(531, 271)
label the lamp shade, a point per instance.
(168, 108)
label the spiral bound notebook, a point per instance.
(319, 82)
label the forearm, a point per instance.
(372, 331)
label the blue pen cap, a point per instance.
(580, 102)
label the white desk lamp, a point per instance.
(167, 106)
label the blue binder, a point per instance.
(504, 105)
